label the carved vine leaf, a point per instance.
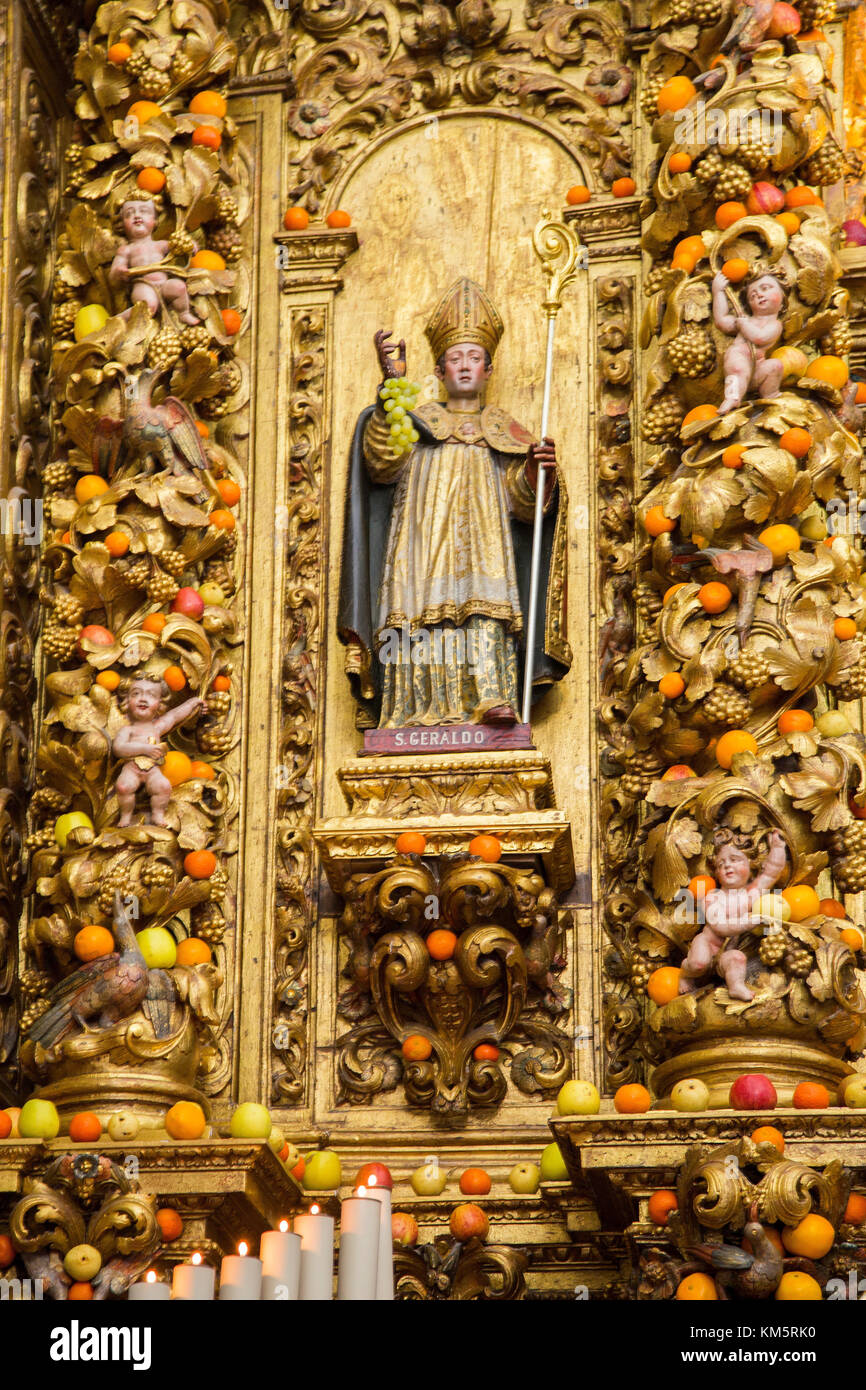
(820, 788)
(668, 847)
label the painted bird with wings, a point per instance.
(164, 434)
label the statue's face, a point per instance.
(732, 867)
(463, 371)
(139, 218)
(766, 295)
(144, 699)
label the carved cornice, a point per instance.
(609, 231)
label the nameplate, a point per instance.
(446, 738)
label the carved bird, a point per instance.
(110, 988)
(754, 1275)
(750, 23)
(165, 432)
(748, 565)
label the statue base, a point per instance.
(446, 738)
(718, 1061)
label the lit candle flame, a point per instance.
(150, 1276)
(196, 1259)
(314, 1209)
(284, 1226)
(243, 1248)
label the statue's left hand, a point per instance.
(543, 456)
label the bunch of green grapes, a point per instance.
(398, 397)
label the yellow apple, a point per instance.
(690, 1095)
(158, 947)
(524, 1177)
(251, 1121)
(82, 1262)
(73, 820)
(89, 319)
(38, 1120)
(578, 1098)
(553, 1167)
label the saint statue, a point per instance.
(437, 547)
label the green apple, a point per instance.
(82, 1262)
(211, 594)
(690, 1095)
(158, 947)
(429, 1180)
(73, 820)
(89, 319)
(123, 1125)
(38, 1120)
(276, 1139)
(524, 1177)
(553, 1167)
(772, 905)
(323, 1172)
(855, 1093)
(578, 1098)
(251, 1121)
(833, 724)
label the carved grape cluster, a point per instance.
(692, 353)
(726, 705)
(661, 421)
(749, 669)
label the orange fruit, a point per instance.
(662, 1202)
(207, 260)
(810, 1095)
(733, 742)
(855, 1211)
(831, 370)
(699, 412)
(632, 1100)
(812, 1237)
(116, 543)
(203, 429)
(207, 136)
(80, 1292)
(579, 194)
(669, 593)
(176, 767)
(795, 721)
(676, 93)
(735, 269)
(779, 540)
(729, 213)
(485, 1052)
(296, 219)
(144, 111)
(13, 1111)
(845, 629)
(801, 197)
(831, 908)
(185, 1120)
(200, 863)
(623, 188)
(88, 487)
(853, 937)
(677, 772)
(208, 103)
(5, 1131)
(7, 1252)
(154, 622)
(802, 900)
(475, 1182)
(338, 218)
(92, 942)
(682, 261)
(788, 221)
(66, 538)
(174, 678)
(193, 951)
(693, 246)
(416, 1048)
(119, 53)
(169, 1222)
(656, 523)
(486, 847)
(772, 1235)
(680, 162)
(672, 685)
(441, 944)
(150, 179)
(860, 393)
(201, 772)
(714, 597)
(222, 519)
(798, 442)
(767, 1134)
(701, 885)
(231, 320)
(663, 984)
(697, 1288)
(109, 680)
(733, 456)
(85, 1127)
(221, 683)
(411, 842)
(229, 491)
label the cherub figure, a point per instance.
(746, 360)
(728, 909)
(139, 744)
(140, 252)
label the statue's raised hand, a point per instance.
(392, 356)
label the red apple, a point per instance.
(97, 636)
(404, 1229)
(373, 1170)
(188, 602)
(753, 1092)
(469, 1220)
(784, 20)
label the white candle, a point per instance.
(359, 1248)
(149, 1290)
(241, 1276)
(317, 1255)
(280, 1253)
(385, 1266)
(193, 1282)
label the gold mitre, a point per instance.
(464, 314)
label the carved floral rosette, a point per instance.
(130, 523)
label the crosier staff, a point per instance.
(561, 256)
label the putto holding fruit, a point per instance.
(139, 744)
(746, 361)
(141, 259)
